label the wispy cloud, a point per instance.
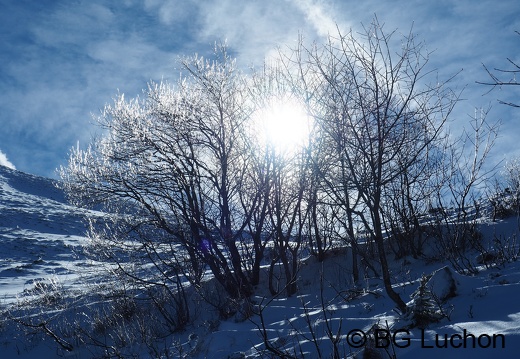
(5, 162)
(63, 60)
(322, 15)
(69, 60)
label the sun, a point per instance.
(283, 124)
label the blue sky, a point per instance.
(62, 60)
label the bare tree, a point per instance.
(465, 175)
(169, 168)
(374, 107)
(503, 77)
(288, 180)
(287, 216)
(511, 192)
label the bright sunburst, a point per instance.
(283, 124)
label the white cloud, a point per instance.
(5, 162)
(318, 13)
(65, 61)
(253, 28)
(168, 11)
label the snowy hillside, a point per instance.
(38, 232)
(41, 237)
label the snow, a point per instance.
(5, 162)
(41, 238)
(39, 233)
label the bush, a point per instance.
(425, 308)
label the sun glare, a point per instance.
(283, 124)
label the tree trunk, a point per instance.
(387, 281)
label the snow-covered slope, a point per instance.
(40, 238)
(38, 231)
(35, 203)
